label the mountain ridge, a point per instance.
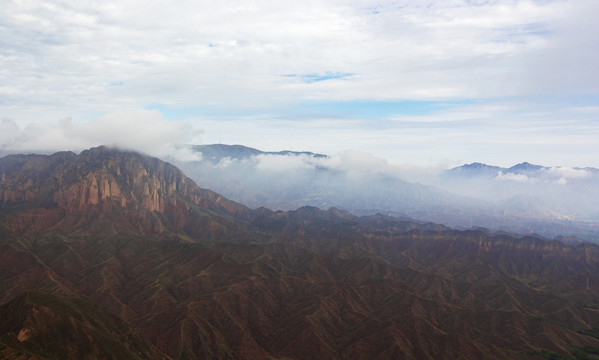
(523, 168)
(217, 152)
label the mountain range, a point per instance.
(570, 193)
(522, 172)
(217, 152)
(526, 198)
(483, 170)
(114, 254)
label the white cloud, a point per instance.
(348, 161)
(85, 60)
(217, 51)
(283, 163)
(569, 173)
(225, 163)
(144, 130)
(361, 161)
(512, 177)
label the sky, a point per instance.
(427, 83)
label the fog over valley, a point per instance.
(524, 198)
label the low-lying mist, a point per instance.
(523, 199)
(572, 193)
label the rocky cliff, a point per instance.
(102, 178)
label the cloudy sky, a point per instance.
(420, 82)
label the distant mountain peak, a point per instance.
(481, 169)
(476, 165)
(524, 167)
(474, 169)
(217, 152)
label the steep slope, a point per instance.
(245, 301)
(201, 277)
(42, 326)
(103, 185)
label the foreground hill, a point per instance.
(39, 325)
(201, 277)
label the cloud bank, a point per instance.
(145, 130)
(548, 200)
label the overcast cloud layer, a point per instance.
(420, 82)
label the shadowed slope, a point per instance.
(49, 327)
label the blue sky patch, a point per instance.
(313, 110)
(314, 77)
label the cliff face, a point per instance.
(102, 178)
(123, 178)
